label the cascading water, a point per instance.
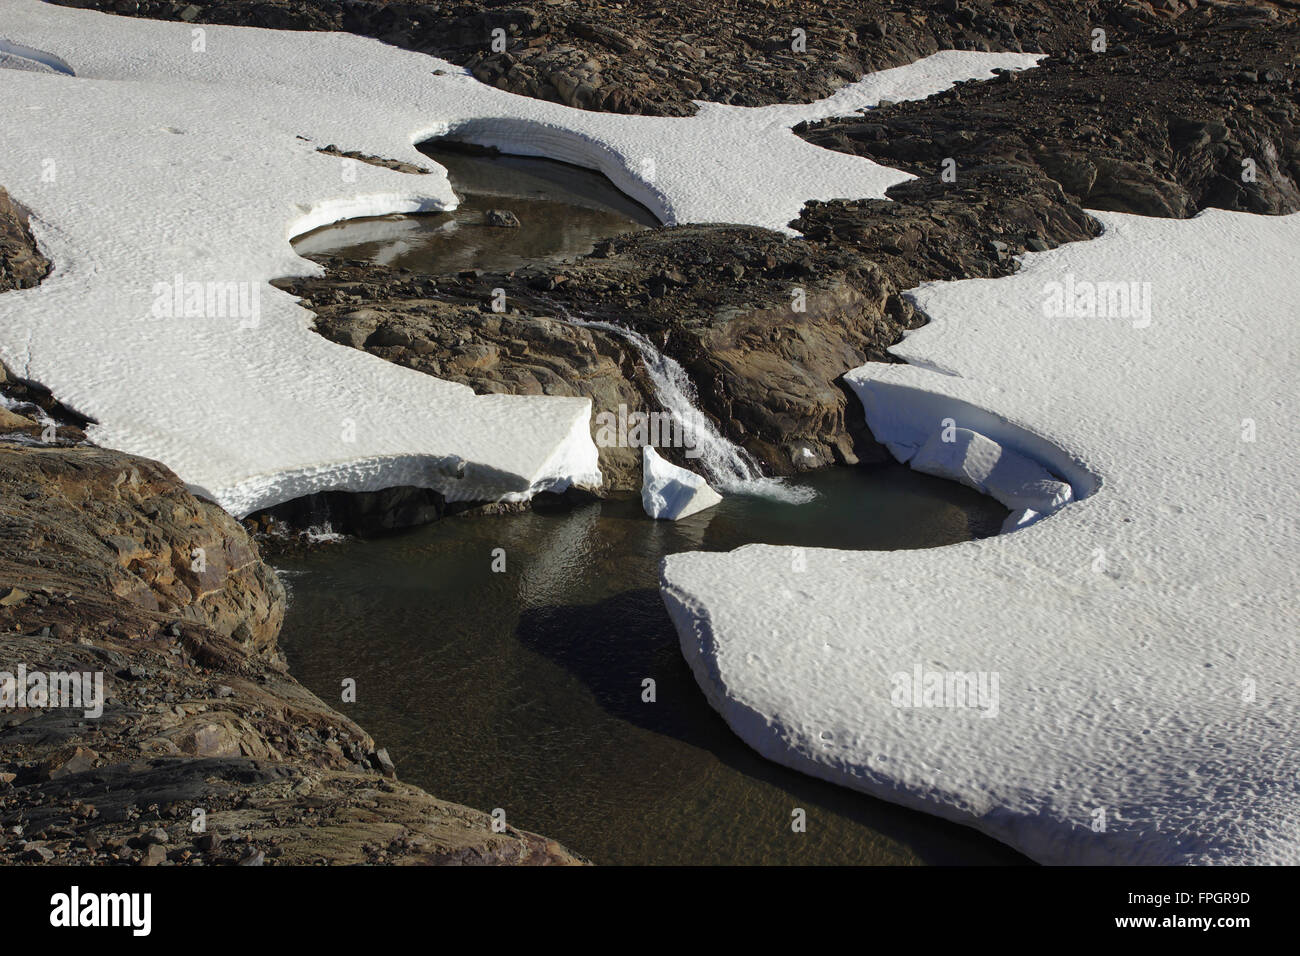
(728, 467)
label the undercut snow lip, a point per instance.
(523, 137)
(41, 57)
(362, 207)
(450, 476)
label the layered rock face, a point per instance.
(110, 566)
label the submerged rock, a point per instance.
(670, 492)
(502, 219)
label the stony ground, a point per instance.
(659, 56)
(1157, 127)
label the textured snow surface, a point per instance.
(1143, 638)
(671, 492)
(191, 151)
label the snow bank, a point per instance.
(1021, 484)
(1117, 684)
(167, 153)
(670, 492)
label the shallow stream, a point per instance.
(522, 688)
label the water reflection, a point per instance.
(563, 211)
(522, 689)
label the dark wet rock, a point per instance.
(502, 219)
(1166, 130)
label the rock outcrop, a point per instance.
(108, 565)
(1201, 114)
(21, 263)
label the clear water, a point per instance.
(563, 211)
(521, 689)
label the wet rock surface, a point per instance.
(110, 566)
(658, 58)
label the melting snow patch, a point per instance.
(1130, 665)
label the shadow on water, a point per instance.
(522, 689)
(638, 638)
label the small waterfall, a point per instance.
(728, 467)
